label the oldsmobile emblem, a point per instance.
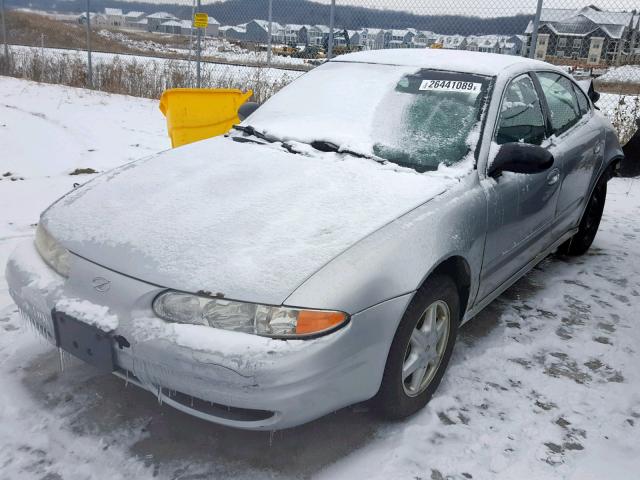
(101, 284)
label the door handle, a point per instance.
(553, 176)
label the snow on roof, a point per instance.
(144, 21)
(135, 14)
(614, 31)
(264, 24)
(162, 15)
(454, 60)
(235, 28)
(607, 18)
(584, 21)
(323, 28)
(186, 24)
(213, 21)
(399, 33)
(113, 11)
(91, 15)
(172, 23)
(556, 14)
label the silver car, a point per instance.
(327, 250)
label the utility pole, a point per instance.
(270, 19)
(332, 14)
(198, 51)
(534, 34)
(89, 67)
(4, 33)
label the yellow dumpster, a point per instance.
(197, 113)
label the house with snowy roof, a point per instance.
(171, 26)
(451, 42)
(97, 19)
(132, 19)
(512, 45)
(257, 31)
(310, 35)
(114, 17)
(233, 32)
(158, 18)
(586, 35)
(372, 38)
(395, 38)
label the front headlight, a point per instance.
(54, 254)
(278, 322)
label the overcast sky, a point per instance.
(482, 8)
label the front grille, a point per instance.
(208, 408)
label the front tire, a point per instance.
(421, 349)
(582, 240)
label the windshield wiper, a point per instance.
(325, 146)
(249, 130)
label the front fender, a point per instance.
(612, 149)
(396, 259)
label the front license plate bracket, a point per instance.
(84, 341)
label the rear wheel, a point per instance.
(582, 240)
(421, 349)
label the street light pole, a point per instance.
(4, 33)
(332, 14)
(536, 25)
(89, 66)
(270, 20)
(198, 51)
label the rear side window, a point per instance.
(583, 103)
(561, 99)
(521, 118)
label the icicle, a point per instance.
(126, 379)
(271, 434)
(61, 359)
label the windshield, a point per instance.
(413, 117)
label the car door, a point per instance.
(576, 142)
(521, 207)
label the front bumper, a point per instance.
(229, 378)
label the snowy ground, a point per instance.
(215, 70)
(624, 74)
(543, 384)
(212, 48)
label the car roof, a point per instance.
(480, 63)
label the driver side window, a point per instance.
(521, 117)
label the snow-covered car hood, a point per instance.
(249, 221)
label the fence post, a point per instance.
(198, 50)
(270, 20)
(534, 33)
(332, 13)
(89, 66)
(4, 33)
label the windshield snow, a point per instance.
(416, 118)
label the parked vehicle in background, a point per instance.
(327, 251)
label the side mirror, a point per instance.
(520, 158)
(247, 109)
(593, 95)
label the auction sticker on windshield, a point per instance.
(449, 86)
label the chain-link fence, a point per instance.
(144, 48)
